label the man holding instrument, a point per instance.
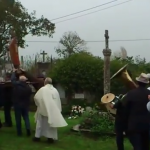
(138, 116)
(120, 123)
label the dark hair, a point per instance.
(141, 84)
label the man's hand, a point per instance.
(148, 97)
(14, 70)
(111, 105)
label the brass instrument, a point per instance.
(125, 77)
(110, 98)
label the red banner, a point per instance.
(13, 49)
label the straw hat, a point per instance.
(143, 78)
(148, 75)
(107, 98)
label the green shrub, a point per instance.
(97, 123)
(66, 110)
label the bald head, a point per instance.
(22, 78)
(48, 81)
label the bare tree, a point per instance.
(70, 43)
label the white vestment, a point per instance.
(48, 116)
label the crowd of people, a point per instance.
(48, 105)
(133, 116)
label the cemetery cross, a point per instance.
(43, 54)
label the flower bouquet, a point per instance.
(76, 112)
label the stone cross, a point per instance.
(43, 54)
(106, 39)
(107, 54)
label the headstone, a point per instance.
(88, 109)
(2, 79)
(79, 96)
(8, 67)
(42, 68)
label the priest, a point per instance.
(48, 116)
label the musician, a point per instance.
(138, 116)
(120, 123)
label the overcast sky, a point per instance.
(128, 21)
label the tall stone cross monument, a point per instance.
(107, 54)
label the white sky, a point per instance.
(126, 21)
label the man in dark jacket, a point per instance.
(7, 102)
(138, 115)
(21, 100)
(120, 123)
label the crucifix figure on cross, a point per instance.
(106, 39)
(43, 54)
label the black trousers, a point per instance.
(21, 111)
(140, 140)
(120, 128)
(7, 112)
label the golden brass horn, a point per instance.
(125, 77)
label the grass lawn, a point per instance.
(67, 140)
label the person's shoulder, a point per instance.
(54, 88)
(41, 89)
(148, 91)
(132, 91)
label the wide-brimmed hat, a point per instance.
(148, 75)
(143, 78)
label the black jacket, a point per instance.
(135, 103)
(21, 92)
(121, 118)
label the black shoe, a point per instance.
(7, 125)
(28, 132)
(50, 140)
(36, 139)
